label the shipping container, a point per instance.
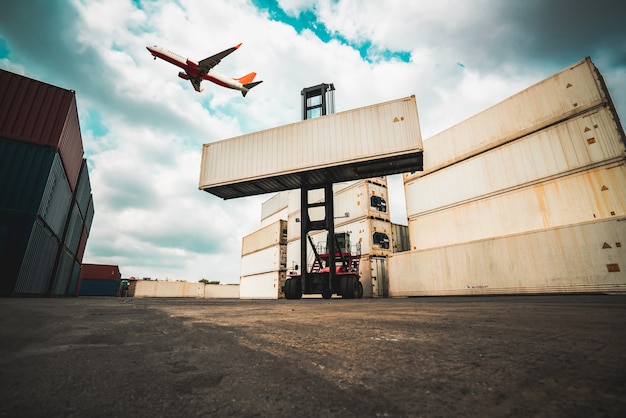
(82, 244)
(74, 230)
(274, 204)
(574, 90)
(270, 236)
(89, 216)
(34, 183)
(281, 215)
(100, 272)
(15, 231)
(43, 115)
(95, 287)
(73, 289)
(262, 286)
(269, 259)
(400, 238)
(370, 141)
(38, 262)
(586, 257)
(63, 275)
(363, 199)
(83, 190)
(576, 144)
(583, 197)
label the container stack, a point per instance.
(528, 196)
(362, 211)
(45, 194)
(264, 262)
(99, 280)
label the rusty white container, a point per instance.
(586, 196)
(370, 141)
(579, 143)
(263, 261)
(586, 257)
(262, 286)
(574, 90)
(269, 236)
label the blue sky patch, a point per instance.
(94, 124)
(4, 48)
(308, 20)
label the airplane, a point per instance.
(203, 70)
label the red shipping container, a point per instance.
(100, 272)
(41, 114)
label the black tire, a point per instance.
(327, 293)
(348, 287)
(359, 292)
(293, 288)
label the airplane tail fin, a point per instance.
(246, 78)
(248, 86)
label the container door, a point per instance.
(380, 288)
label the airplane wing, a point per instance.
(195, 82)
(210, 62)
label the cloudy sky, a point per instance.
(143, 127)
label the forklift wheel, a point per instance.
(327, 294)
(359, 290)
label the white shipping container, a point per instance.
(262, 286)
(372, 236)
(271, 235)
(278, 216)
(361, 199)
(572, 91)
(263, 261)
(583, 197)
(274, 204)
(586, 257)
(339, 147)
(575, 144)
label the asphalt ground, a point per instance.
(518, 356)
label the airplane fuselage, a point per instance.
(196, 72)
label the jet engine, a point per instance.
(192, 63)
(183, 75)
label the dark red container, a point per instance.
(44, 115)
(100, 272)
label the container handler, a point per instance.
(318, 280)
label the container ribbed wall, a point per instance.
(34, 182)
(586, 257)
(576, 144)
(38, 262)
(574, 90)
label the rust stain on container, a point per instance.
(613, 268)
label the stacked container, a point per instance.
(528, 196)
(264, 262)
(99, 280)
(40, 165)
